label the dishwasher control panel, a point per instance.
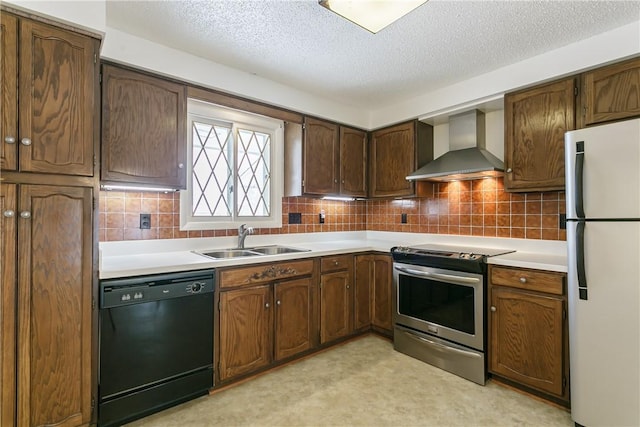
(136, 290)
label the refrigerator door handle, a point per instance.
(582, 275)
(579, 201)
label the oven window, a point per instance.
(445, 304)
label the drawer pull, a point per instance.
(523, 280)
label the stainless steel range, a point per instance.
(440, 306)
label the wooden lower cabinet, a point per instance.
(336, 302)
(528, 338)
(265, 323)
(46, 309)
(372, 296)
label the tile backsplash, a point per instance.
(477, 208)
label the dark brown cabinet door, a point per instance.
(9, 85)
(8, 208)
(245, 330)
(335, 305)
(144, 133)
(363, 282)
(381, 301)
(353, 162)
(393, 157)
(612, 93)
(535, 122)
(55, 244)
(293, 319)
(527, 339)
(57, 78)
(320, 151)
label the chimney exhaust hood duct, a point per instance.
(467, 158)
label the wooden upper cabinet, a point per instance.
(144, 133)
(51, 129)
(395, 152)
(321, 151)
(353, 162)
(54, 339)
(536, 120)
(612, 92)
(9, 85)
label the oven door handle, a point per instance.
(439, 276)
(443, 347)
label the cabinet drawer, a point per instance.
(534, 280)
(264, 273)
(336, 263)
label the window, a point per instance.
(235, 173)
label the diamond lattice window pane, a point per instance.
(254, 176)
(212, 172)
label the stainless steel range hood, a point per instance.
(467, 158)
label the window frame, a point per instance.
(207, 112)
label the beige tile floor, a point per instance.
(362, 383)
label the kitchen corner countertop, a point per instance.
(136, 258)
(537, 261)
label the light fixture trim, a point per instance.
(372, 15)
(338, 198)
(109, 187)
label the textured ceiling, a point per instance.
(303, 45)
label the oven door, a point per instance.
(444, 303)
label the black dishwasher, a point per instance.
(156, 343)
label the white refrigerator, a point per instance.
(603, 240)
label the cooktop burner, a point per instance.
(463, 258)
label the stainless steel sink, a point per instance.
(276, 250)
(257, 251)
(229, 253)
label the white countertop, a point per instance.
(135, 258)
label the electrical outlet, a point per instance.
(321, 217)
(403, 218)
(562, 221)
(295, 218)
(145, 221)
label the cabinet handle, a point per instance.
(25, 214)
(25, 141)
(266, 305)
(278, 302)
(493, 308)
(509, 170)
(180, 165)
(523, 280)
(9, 213)
(9, 140)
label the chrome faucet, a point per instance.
(243, 232)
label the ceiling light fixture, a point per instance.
(372, 15)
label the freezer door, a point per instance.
(606, 173)
(604, 330)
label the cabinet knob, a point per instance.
(523, 280)
(25, 141)
(335, 262)
(509, 170)
(347, 286)
(180, 165)
(335, 180)
(278, 302)
(25, 214)
(9, 213)
(9, 140)
(343, 181)
(493, 308)
(266, 305)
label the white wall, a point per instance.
(126, 48)
(88, 14)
